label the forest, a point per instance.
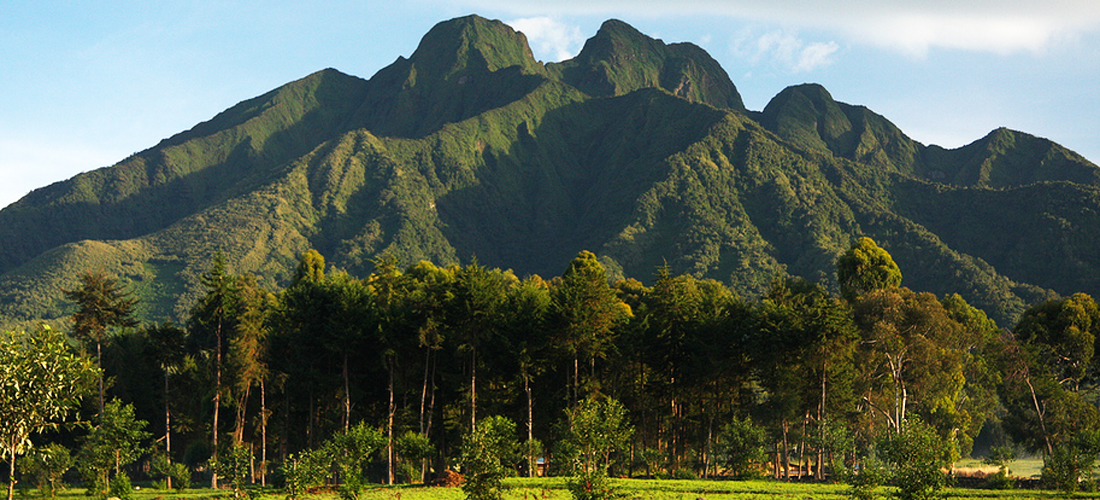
(409, 366)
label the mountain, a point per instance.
(640, 151)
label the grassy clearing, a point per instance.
(1024, 467)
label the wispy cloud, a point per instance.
(910, 26)
(549, 38)
(783, 48)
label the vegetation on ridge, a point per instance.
(639, 150)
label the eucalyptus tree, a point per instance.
(1051, 372)
(41, 382)
(101, 304)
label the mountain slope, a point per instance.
(637, 150)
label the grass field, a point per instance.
(1024, 467)
(634, 489)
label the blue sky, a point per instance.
(84, 84)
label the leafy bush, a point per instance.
(305, 471)
(234, 465)
(592, 485)
(121, 488)
(178, 472)
(47, 465)
(740, 448)
(351, 451)
(487, 453)
(916, 457)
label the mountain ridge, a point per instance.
(638, 150)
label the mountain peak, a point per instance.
(472, 43)
(619, 59)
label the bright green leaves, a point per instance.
(866, 267)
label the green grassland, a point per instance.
(633, 489)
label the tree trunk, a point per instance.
(347, 396)
(263, 433)
(532, 462)
(217, 402)
(786, 452)
(473, 389)
(424, 389)
(819, 471)
(389, 429)
(167, 429)
(99, 365)
(11, 468)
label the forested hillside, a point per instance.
(638, 150)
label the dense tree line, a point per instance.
(798, 381)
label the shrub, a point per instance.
(47, 465)
(121, 487)
(592, 485)
(740, 448)
(486, 453)
(305, 471)
(916, 457)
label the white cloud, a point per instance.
(549, 38)
(783, 48)
(910, 26)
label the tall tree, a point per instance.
(101, 304)
(41, 382)
(585, 311)
(211, 320)
(170, 348)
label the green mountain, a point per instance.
(637, 150)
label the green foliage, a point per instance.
(121, 487)
(41, 382)
(592, 485)
(866, 267)
(1072, 461)
(114, 443)
(178, 471)
(741, 449)
(917, 456)
(304, 471)
(413, 448)
(233, 464)
(351, 451)
(48, 465)
(598, 429)
(488, 452)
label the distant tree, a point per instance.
(866, 267)
(41, 382)
(101, 304)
